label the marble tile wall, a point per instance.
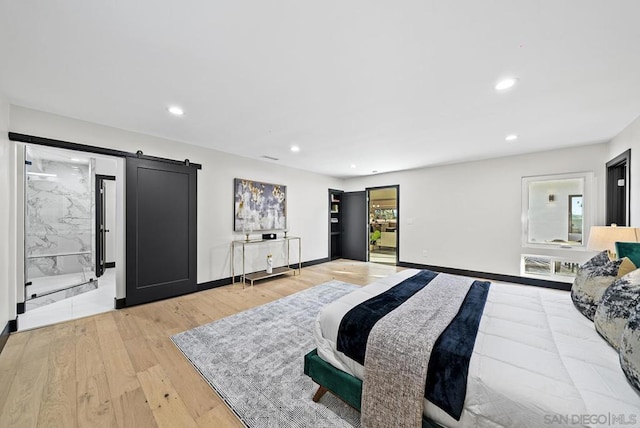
(59, 219)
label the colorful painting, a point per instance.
(259, 206)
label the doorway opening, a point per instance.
(60, 254)
(383, 224)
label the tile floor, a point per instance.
(85, 304)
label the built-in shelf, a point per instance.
(335, 239)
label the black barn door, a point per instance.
(161, 230)
(355, 226)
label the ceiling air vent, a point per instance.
(269, 157)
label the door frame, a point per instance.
(397, 187)
(623, 159)
(37, 143)
(99, 224)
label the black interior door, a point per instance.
(355, 227)
(161, 230)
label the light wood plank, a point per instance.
(10, 359)
(94, 404)
(120, 372)
(121, 376)
(22, 406)
(58, 408)
(127, 328)
(25, 395)
(197, 394)
(89, 361)
(167, 406)
(133, 411)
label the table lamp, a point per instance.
(605, 237)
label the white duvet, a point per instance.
(537, 362)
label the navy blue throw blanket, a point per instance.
(446, 385)
(449, 363)
(356, 324)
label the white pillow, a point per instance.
(618, 303)
(592, 281)
(630, 349)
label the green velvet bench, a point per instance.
(344, 386)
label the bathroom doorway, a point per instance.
(61, 281)
(619, 189)
(383, 224)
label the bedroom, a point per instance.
(477, 229)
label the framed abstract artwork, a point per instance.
(259, 206)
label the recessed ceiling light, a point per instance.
(295, 148)
(505, 84)
(353, 165)
(511, 137)
(176, 110)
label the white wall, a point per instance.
(7, 267)
(306, 192)
(465, 216)
(468, 215)
(629, 138)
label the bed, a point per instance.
(536, 361)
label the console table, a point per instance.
(254, 276)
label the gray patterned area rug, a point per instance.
(255, 359)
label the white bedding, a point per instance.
(536, 362)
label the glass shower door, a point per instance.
(59, 227)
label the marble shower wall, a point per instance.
(60, 223)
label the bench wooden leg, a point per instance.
(319, 393)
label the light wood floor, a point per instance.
(120, 369)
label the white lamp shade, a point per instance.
(605, 237)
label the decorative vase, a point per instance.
(269, 264)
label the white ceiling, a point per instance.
(383, 85)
